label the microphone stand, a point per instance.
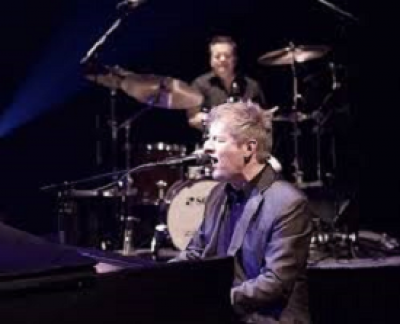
(338, 10)
(100, 42)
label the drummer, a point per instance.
(223, 83)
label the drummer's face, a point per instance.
(222, 59)
(227, 154)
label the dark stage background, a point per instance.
(49, 111)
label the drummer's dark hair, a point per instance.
(223, 39)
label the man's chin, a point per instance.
(219, 176)
(222, 73)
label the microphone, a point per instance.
(129, 4)
(197, 158)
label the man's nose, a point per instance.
(208, 147)
(222, 58)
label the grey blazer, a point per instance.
(270, 246)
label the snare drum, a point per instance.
(186, 209)
(152, 183)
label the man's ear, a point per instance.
(251, 145)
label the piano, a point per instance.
(51, 283)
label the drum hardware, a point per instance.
(292, 56)
(153, 184)
(155, 91)
(161, 185)
(152, 90)
(161, 236)
(112, 80)
(116, 188)
(321, 119)
(160, 239)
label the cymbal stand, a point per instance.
(317, 130)
(125, 216)
(298, 173)
(114, 130)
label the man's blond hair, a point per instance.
(246, 121)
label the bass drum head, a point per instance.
(186, 210)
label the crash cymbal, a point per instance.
(159, 91)
(106, 76)
(291, 54)
(108, 80)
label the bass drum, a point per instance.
(186, 209)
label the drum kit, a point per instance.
(179, 193)
(301, 126)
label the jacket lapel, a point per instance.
(252, 206)
(249, 211)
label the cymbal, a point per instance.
(108, 80)
(106, 76)
(158, 91)
(291, 54)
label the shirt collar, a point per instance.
(245, 192)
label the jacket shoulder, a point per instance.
(284, 193)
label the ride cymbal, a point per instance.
(293, 54)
